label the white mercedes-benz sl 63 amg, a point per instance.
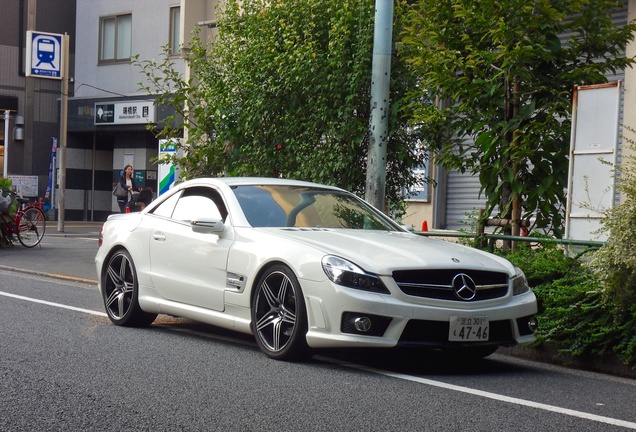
(303, 266)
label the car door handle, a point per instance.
(159, 236)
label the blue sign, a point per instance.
(44, 55)
(49, 184)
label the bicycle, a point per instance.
(28, 224)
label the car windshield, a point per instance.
(304, 207)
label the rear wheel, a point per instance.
(31, 226)
(279, 317)
(121, 292)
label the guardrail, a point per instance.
(491, 238)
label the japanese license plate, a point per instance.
(468, 329)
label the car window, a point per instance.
(302, 207)
(260, 209)
(166, 208)
(337, 211)
(197, 203)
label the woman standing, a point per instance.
(127, 181)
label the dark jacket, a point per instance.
(122, 182)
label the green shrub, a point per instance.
(574, 316)
(616, 262)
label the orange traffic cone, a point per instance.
(424, 226)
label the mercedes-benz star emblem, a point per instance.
(464, 287)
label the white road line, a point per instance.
(59, 305)
(425, 381)
(495, 396)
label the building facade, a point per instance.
(29, 105)
(109, 114)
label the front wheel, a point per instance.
(120, 290)
(31, 225)
(279, 317)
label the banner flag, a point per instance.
(49, 184)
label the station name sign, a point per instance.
(127, 112)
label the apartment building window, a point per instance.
(115, 38)
(175, 30)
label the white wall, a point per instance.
(150, 32)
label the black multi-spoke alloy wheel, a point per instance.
(31, 227)
(121, 290)
(279, 317)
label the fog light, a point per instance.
(362, 324)
(533, 324)
(366, 324)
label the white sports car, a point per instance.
(303, 266)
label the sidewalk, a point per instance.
(67, 254)
(74, 229)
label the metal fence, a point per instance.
(488, 241)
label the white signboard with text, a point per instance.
(27, 186)
(128, 112)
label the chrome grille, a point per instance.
(437, 284)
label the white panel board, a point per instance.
(593, 151)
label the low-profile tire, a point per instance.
(120, 291)
(469, 353)
(279, 315)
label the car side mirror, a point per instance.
(207, 226)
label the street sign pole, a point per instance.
(6, 144)
(61, 204)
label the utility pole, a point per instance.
(379, 124)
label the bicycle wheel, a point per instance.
(31, 226)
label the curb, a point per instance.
(63, 234)
(74, 229)
(50, 275)
(605, 364)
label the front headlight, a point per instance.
(347, 274)
(519, 283)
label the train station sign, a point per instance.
(44, 55)
(126, 112)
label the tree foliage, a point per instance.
(284, 90)
(503, 73)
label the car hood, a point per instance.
(383, 252)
